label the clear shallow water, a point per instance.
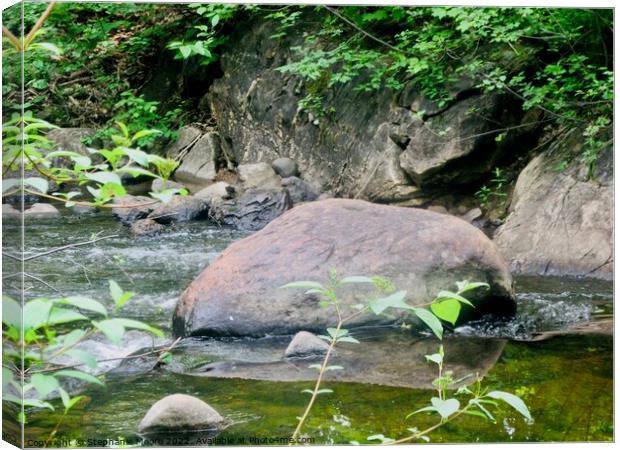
(159, 269)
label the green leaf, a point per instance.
(324, 391)
(186, 51)
(445, 408)
(11, 312)
(71, 338)
(79, 375)
(82, 356)
(315, 366)
(61, 315)
(44, 384)
(336, 333)
(141, 134)
(36, 313)
(334, 368)
(104, 177)
(10, 183)
(83, 303)
(513, 401)
(40, 184)
(443, 295)
(447, 310)
(123, 129)
(78, 159)
(356, 279)
(135, 324)
(396, 300)
(350, 339)
(430, 320)
(435, 357)
(27, 401)
(113, 330)
(7, 377)
(465, 286)
(124, 299)
(303, 285)
(115, 290)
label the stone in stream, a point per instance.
(299, 190)
(158, 185)
(145, 227)
(41, 211)
(216, 192)
(305, 344)
(180, 208)
(132, 208)
(258, 175)
(419, 251)
(254, 209)
(180, 412)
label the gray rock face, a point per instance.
(419, 251)
(259, 175)
(216, 192)
(158, 185)
(180, 412)
(199, 162)
(285, 167)
(560, 223)
(299, 190)
(187, 137)
(306, 344)
(133, 208)
(145, 227)
(70, 139)
(383, 146)
(254, 209)
(180, 209)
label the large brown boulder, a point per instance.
(419, 251)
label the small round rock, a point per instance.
(285, 167)
(305, 344)
(180, 412)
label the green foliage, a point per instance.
(555, 60)
(495, 191)
(51, 329)
(206, 36)
(140, 114)
(446, 306)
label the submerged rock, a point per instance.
(306, 344)
(132, 208)
(180, 412)
(145, 227)
(561, 223)
(180, 209)
(419, 251)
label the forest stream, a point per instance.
(552, 353)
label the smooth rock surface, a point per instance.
(419, 251)
(180, 208)
(306, 344)
(187, 136)
(199, 163)
(560, 223)
(158, 185)
(133, 208)
(299, 190)
(216, 192)
(41, 210)
(285, 167)
(180, 412)
(258, 175)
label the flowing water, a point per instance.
(566, 380)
